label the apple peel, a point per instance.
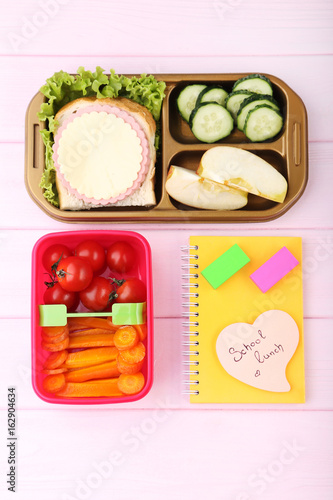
(243, 170)
(185, 186)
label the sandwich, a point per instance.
(100, 167)
(101, 139)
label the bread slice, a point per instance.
(145, 194)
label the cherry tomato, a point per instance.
(96, 296)
(120, 257)
(57, 295)
(74, 274)
(132, 290)
(93, 252)
(53, 254)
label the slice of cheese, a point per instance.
(100, 156)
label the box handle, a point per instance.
(34, 153)
(36, 149)
(297, 143)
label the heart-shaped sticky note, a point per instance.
(258, 354)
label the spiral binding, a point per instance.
(191, 326)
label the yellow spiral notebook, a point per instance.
(245, 327)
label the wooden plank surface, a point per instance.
(163, 447)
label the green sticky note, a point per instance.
(225, 266)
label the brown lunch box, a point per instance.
(288, 153)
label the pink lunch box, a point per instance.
(141, 270)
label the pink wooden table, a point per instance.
(162, 447)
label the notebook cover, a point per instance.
(240, 300)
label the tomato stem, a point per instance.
(51, 283)
(113, 295)
(62, 273)
(54, 266)
(117, 282)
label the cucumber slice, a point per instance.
(259, 84)
(213, 94)
(262, 123)
(211, 122)
(250, 103)
(187, 99)
(234, 100)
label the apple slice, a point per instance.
(187, 187)
(241, 169)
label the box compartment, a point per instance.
(142, 270)
(288, 152)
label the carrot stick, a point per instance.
(92, 322)
(131, 384)
(142, 331)
(128, 368)
(54, 383)
(126, 337)
(55, 338)
(105, 370)
(59, 346)
(55, 371)
(55, 360)
(90, 357)
(111, 324)
(52, 331)
(133, 355)
(98, 340)
(91, 331)
(95, 388)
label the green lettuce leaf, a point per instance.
(62, 88)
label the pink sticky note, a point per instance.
(274, 269)
(258, 354)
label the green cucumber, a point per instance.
(262, 123)
(234, 100)
(187, 99)
(213, 94)
(250, 103)
(211, 122)
(256, 83)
